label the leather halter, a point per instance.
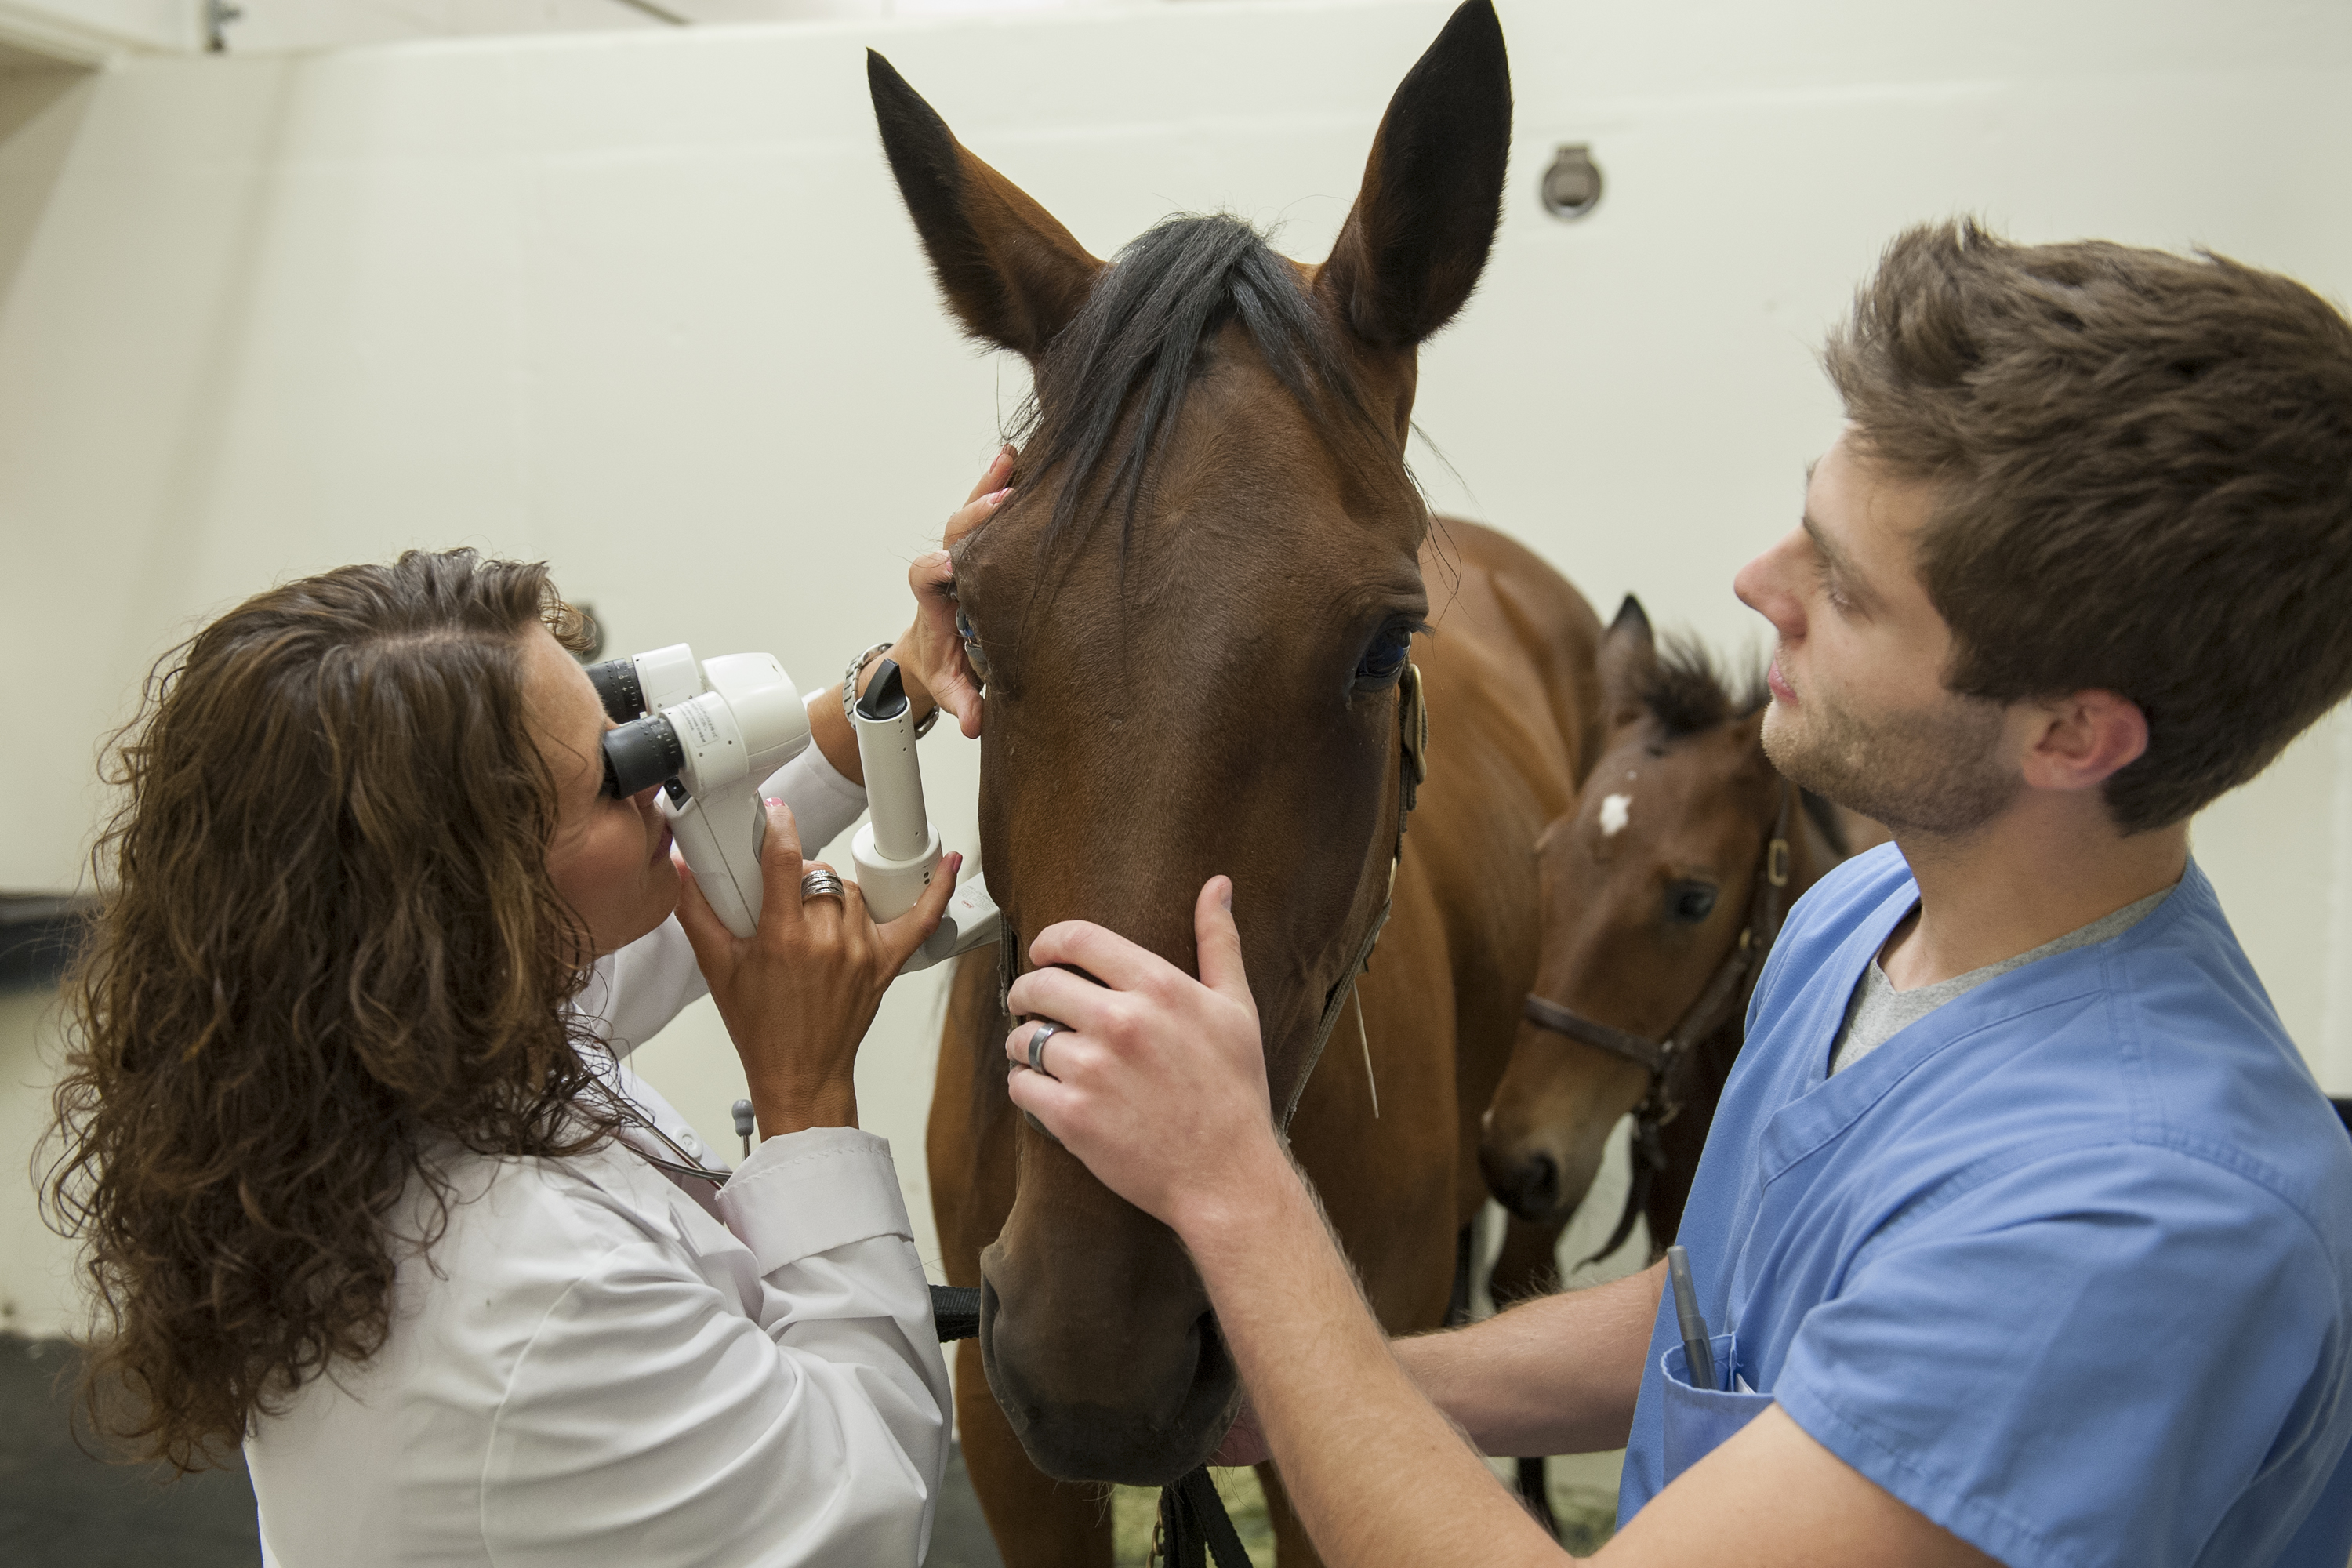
(1412, 769)
(1667, 1061)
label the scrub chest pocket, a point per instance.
(1699, 1420)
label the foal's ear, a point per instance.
(1013, 275)
(1629, 660)
(1412, 249)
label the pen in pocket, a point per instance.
(1698, 1354)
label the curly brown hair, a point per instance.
(2143, 464)
(329, 942)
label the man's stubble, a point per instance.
(1924, 772)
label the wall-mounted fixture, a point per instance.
(1571, 186)
(218, 15)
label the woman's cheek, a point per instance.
(666, 889)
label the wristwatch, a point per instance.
(849, 690)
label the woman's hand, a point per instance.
(1157, 1080)
(931, 655)
(798, 995)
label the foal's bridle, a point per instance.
(1413, 768)
(1668, 1060)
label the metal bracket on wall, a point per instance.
(1571, 186)
(218, 15)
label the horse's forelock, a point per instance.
(1138, 344)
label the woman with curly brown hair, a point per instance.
(363, 1180)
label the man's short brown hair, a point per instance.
(2144, 463)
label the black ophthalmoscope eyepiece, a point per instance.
(640, 753)
(618, 689)
(885, 695)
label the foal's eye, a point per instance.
(1384, 660)
(1690, 902)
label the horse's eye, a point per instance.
(1384, 660)
(1691, 902)
(972, 648)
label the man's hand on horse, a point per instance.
(1155, 1079)
(932, 651)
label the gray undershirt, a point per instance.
(1878, 1011)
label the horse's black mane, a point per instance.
(1138, 340)
(1688, 690)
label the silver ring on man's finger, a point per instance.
(822, 882)
(1047, 1029)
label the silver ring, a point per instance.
(820, 883)
(1047, 1029)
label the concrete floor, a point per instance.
(60, 1504)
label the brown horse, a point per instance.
(1662, 893)
(1194, 621)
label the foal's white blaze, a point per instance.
(1614, 810)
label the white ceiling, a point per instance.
(277, 25)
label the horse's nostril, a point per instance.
(1540, 1184)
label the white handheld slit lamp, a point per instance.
(713, 733)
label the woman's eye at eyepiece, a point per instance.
(1691, 902)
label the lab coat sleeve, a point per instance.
(649, 1423)
(635, 992)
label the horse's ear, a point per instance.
(1411, 250)
(1012, 273)
(1629, 659)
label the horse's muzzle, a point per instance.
(1138, 1396)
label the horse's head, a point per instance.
(1194, 617)
(1647, 886)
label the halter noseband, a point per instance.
(1666, 1059)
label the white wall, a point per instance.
(645, 304)
(86, 32)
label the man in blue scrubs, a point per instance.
(2025, 1233)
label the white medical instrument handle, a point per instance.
(897, 851)
(746, 722)
(722, 835)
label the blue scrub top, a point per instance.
(2066, 1266)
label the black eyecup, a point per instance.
(885, 695)
(618, 687)
(641, 753)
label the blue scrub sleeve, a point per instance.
(2094, 1358)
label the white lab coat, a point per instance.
(598, 1362)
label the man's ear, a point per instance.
(1629, 661)
(1411, 249)
(1013, 274)
(2085, 739)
